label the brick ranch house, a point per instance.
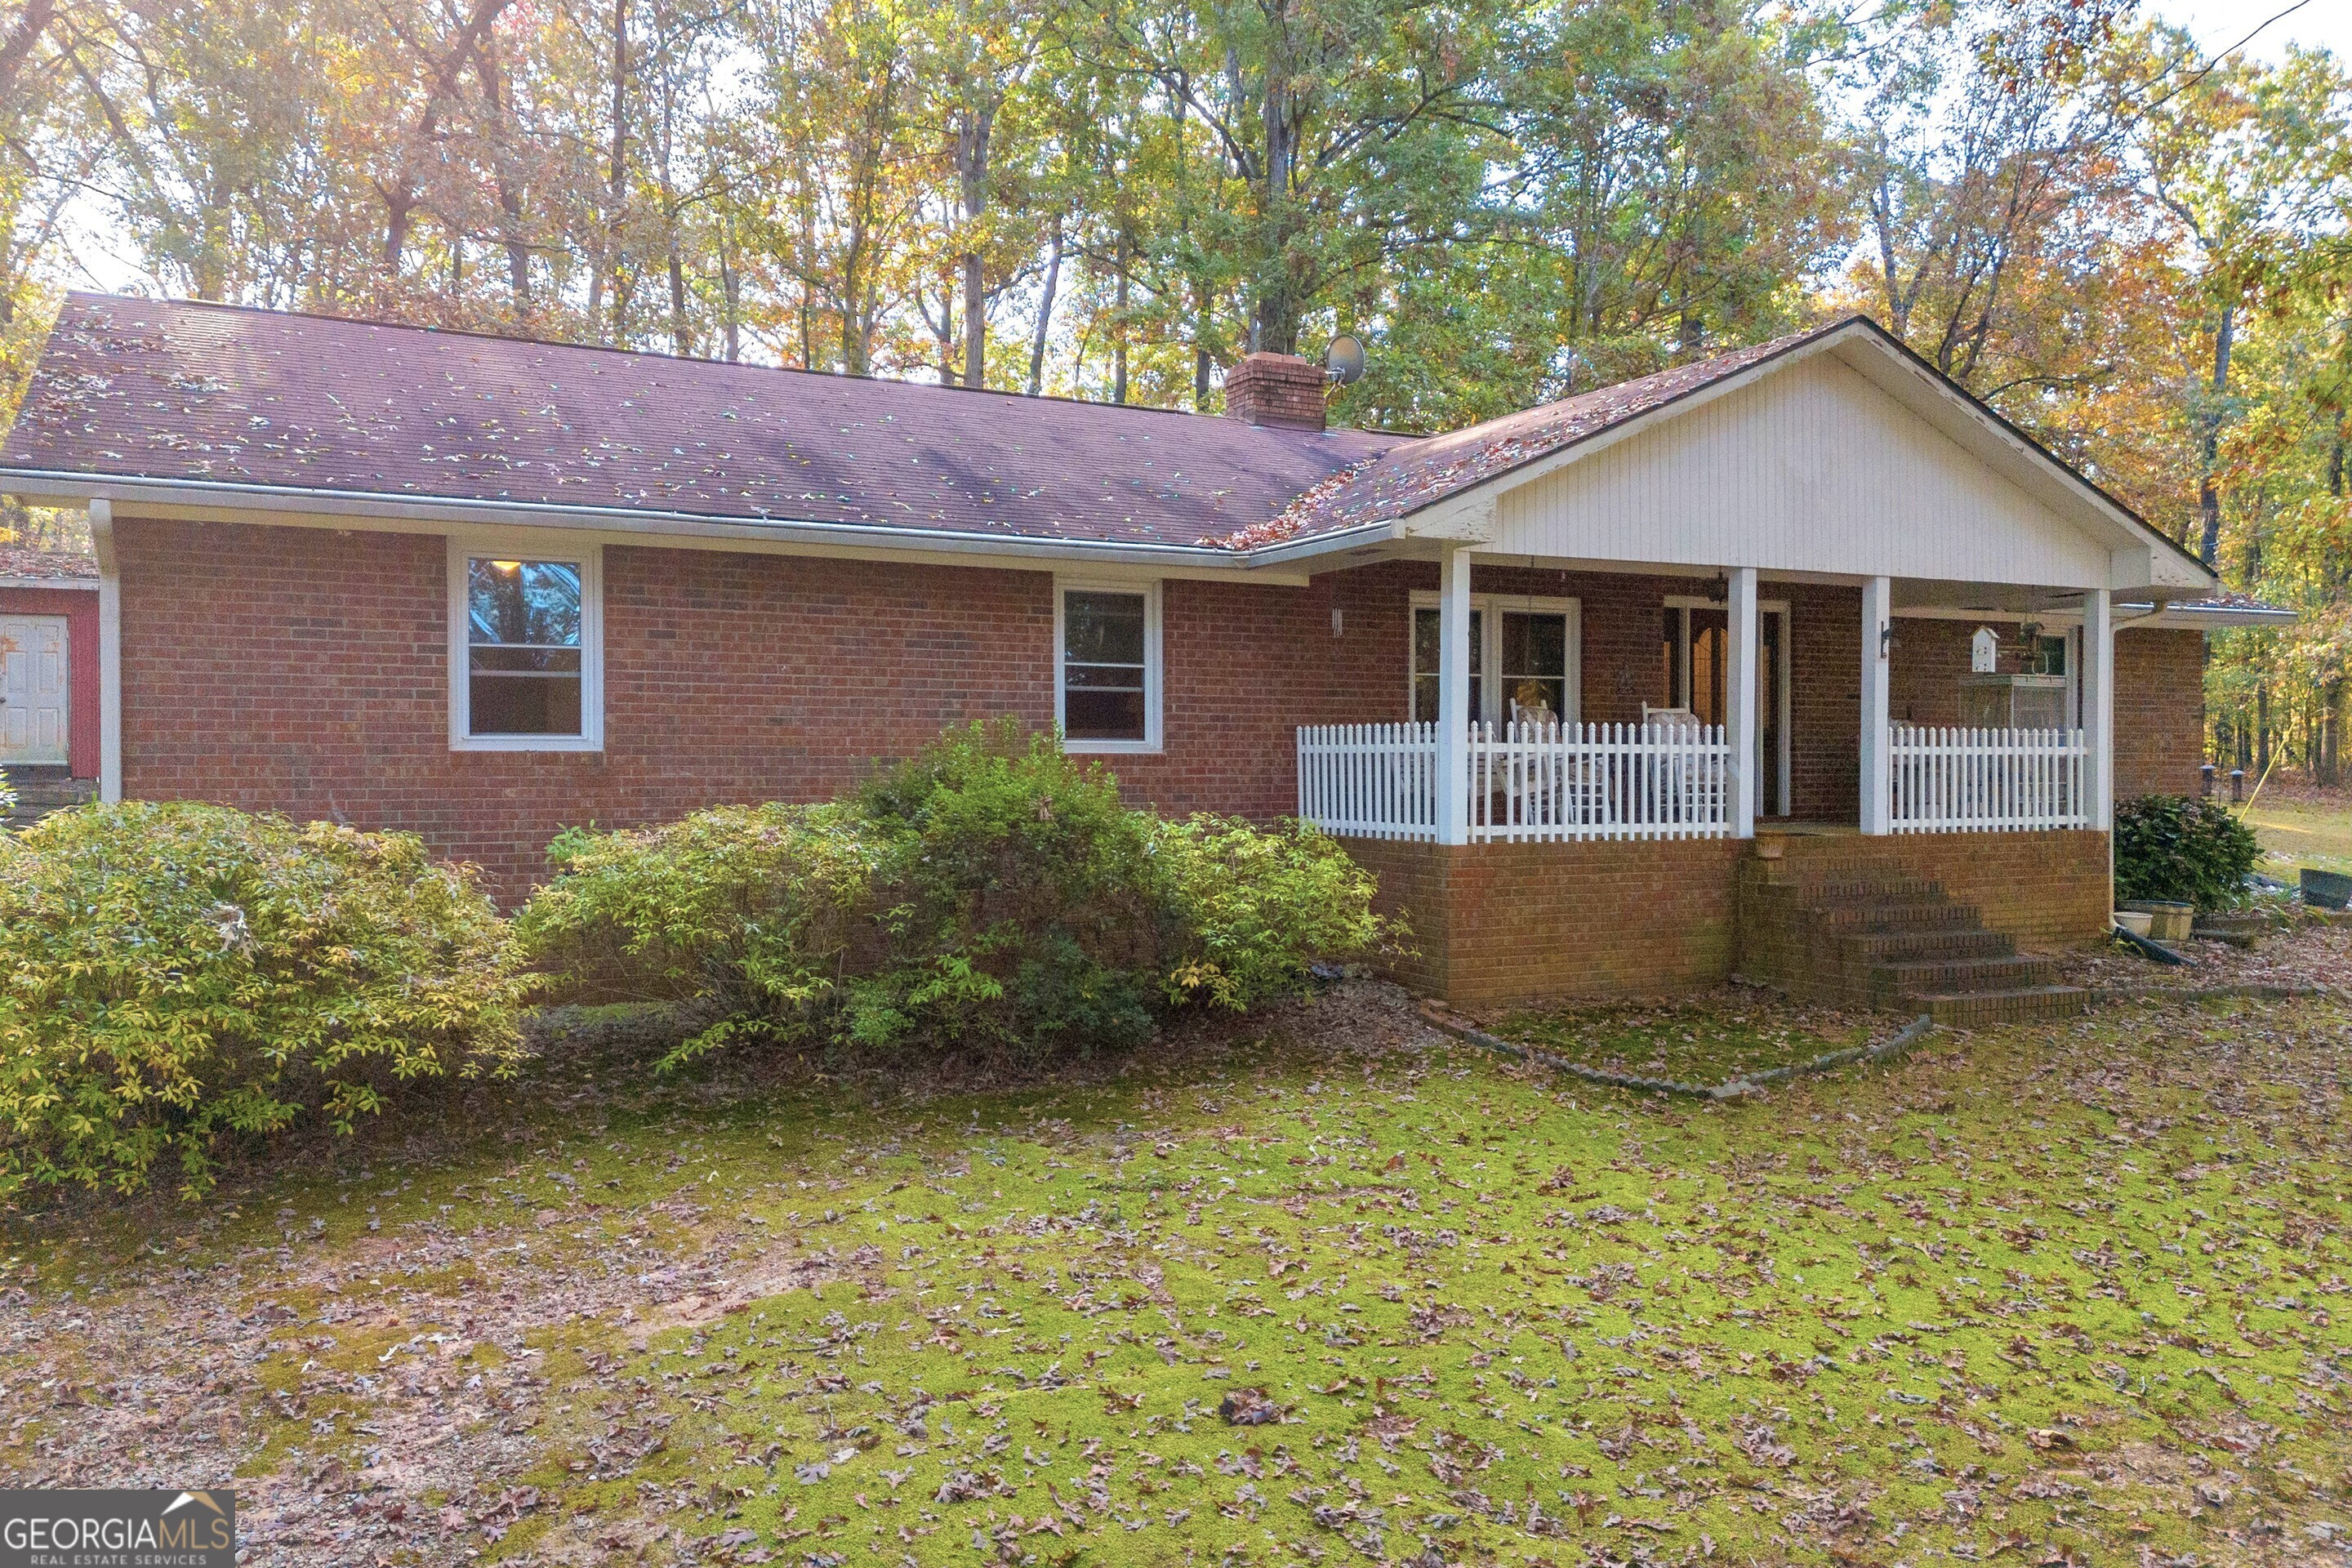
(1617, 692)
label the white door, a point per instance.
(33, 686)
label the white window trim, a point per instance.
(1153, 739)
(1490, 654)
(548, 546)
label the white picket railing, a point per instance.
(1958, 780)
(1599, 781)
(1526, 781)
(1370, 780)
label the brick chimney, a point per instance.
(1275, 389)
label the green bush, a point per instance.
(992, 895)
(1018, 899)
(2189, 851)
(8, 800)
(1253, 907)
(175, 974)
(753, 907)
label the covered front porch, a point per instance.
(1965, 708)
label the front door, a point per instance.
(1694, 657)
(33, 689)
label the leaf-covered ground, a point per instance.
(1340, 1293)
(1725, 1035)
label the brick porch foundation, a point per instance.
(1494, 924)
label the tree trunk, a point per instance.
(1274, 324)
(973, 128)
(1118, 325)
(607, 265)
(2209, 496)
(682, 341)
(2262, 728)
(730, 289)
(1046, 312)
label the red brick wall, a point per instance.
(1499, 923)
(2159, 711)
(1494, 924)
(2159, 697)
(305, 671)
(79, 607)
(2047, 890)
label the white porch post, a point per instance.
(1877, 782)
(2099, 706)
(1454, 698)
(1740, 699)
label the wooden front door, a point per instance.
(33, 685)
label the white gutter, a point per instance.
(96, 487)
(110, 651)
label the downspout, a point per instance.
(110, 651)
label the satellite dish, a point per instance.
(1343, 362)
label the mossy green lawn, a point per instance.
(2074, 1289)
(2314, 830)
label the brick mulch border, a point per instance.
(1910, 1035)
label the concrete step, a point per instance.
(1956, 976)
(1975, 1009)
(1869, 947)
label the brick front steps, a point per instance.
(40, 791)
(1825, 928)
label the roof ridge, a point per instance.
(272, 312)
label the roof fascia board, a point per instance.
(222, 501)
(49, 584)
(2216, 616)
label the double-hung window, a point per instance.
(1107, 666)
(1531, 644)
(525, 648)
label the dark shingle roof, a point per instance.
(178, 390)
(63, 568)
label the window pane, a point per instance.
(1535, 667)
(1102, 677)
(523, 704)
(1425, 663)
(1102, 628)
(523, 602)
(526, 661)
(1102, 670)
(1090, 714)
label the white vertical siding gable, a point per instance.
(1808, 468)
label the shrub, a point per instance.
(174, 975)
(2191, 851)
(1018, 898)
(1253, 907)
(753, 907)
(992, 895)
(8, 800)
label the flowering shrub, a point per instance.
(175, 974)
